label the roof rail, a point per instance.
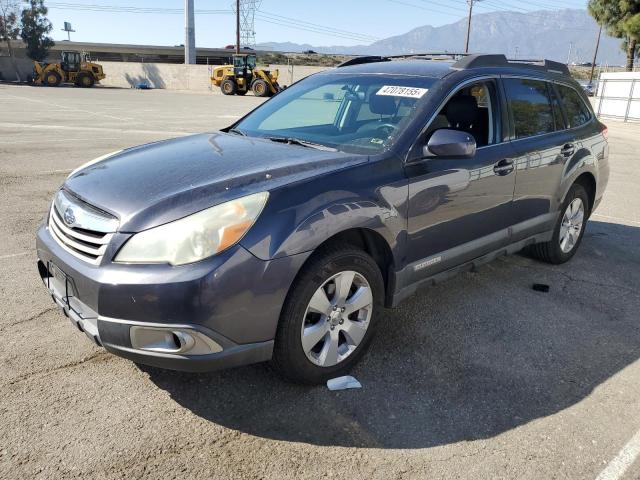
(431, 55)
(480, 61)
(361, 60)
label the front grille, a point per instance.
(85, 244)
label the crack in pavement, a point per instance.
(43, 373)
(570, 277)
(30, 319)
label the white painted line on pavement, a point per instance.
(91, 129)
(14, 255)
(625, 458)
(66, 107)
(51, 140)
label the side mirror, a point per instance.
(450, 143)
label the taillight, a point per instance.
(605, 132)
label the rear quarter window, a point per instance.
(577, 112)
(530, 106)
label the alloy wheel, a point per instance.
(337, 318)
(572, 224)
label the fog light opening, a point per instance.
(175, 341)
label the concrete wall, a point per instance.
(180, 77)
(8, 71)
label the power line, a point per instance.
(262, 16)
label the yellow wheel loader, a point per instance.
(73, 68)
(243, 76)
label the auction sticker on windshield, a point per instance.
(397, 91)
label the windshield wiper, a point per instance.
(237, 131)
(302, 143)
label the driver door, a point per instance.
(460, 208)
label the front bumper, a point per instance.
(226, 307)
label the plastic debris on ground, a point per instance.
(541, 287)
(343, 383)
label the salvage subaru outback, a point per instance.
(281, 237)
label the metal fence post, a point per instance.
(633, 86)
(604, 87)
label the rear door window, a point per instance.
(530, 106)
(577, 112)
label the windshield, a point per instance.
(353, 113)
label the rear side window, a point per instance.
(577, 112)
(530, 106)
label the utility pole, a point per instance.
(190, 33)
(595, 57)
(470, 2)
(569, 55)
(466, 48)
(237, 26)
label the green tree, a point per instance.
(9, 28)
(35, 27)
(621, 19)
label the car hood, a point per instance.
(160, 182)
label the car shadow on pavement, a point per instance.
(471, 358)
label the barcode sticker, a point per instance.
(397, 91)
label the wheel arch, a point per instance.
(588, 181)
(373, 244)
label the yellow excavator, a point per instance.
(243, 76)
(74, 68)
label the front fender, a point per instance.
(298, 218)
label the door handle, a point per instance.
(503, 167)
(568, 150)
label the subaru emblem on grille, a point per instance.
(69, 217)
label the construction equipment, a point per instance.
(74, 68)
(243, 75)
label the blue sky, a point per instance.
(319, 22)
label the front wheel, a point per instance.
(52, 79)
(260, 88)
(329, 316)
(228, 86)
(569, 229)
(85, 80)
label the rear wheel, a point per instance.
(85, 80)
(260, 88)
(229, 86)
(52, 79)
(569, 229)
(329, 316)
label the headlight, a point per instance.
(94, 161)
(197, 236)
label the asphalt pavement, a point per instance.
(478, 377)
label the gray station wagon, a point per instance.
(281, 237)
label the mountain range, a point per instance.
(559, 35)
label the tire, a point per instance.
(349, 333)
(573, 220)
(85, 80)
(260, 88)
(229, 86)
(52, 79)
(242, 93)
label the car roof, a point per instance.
(438, 68)
(413, 67)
